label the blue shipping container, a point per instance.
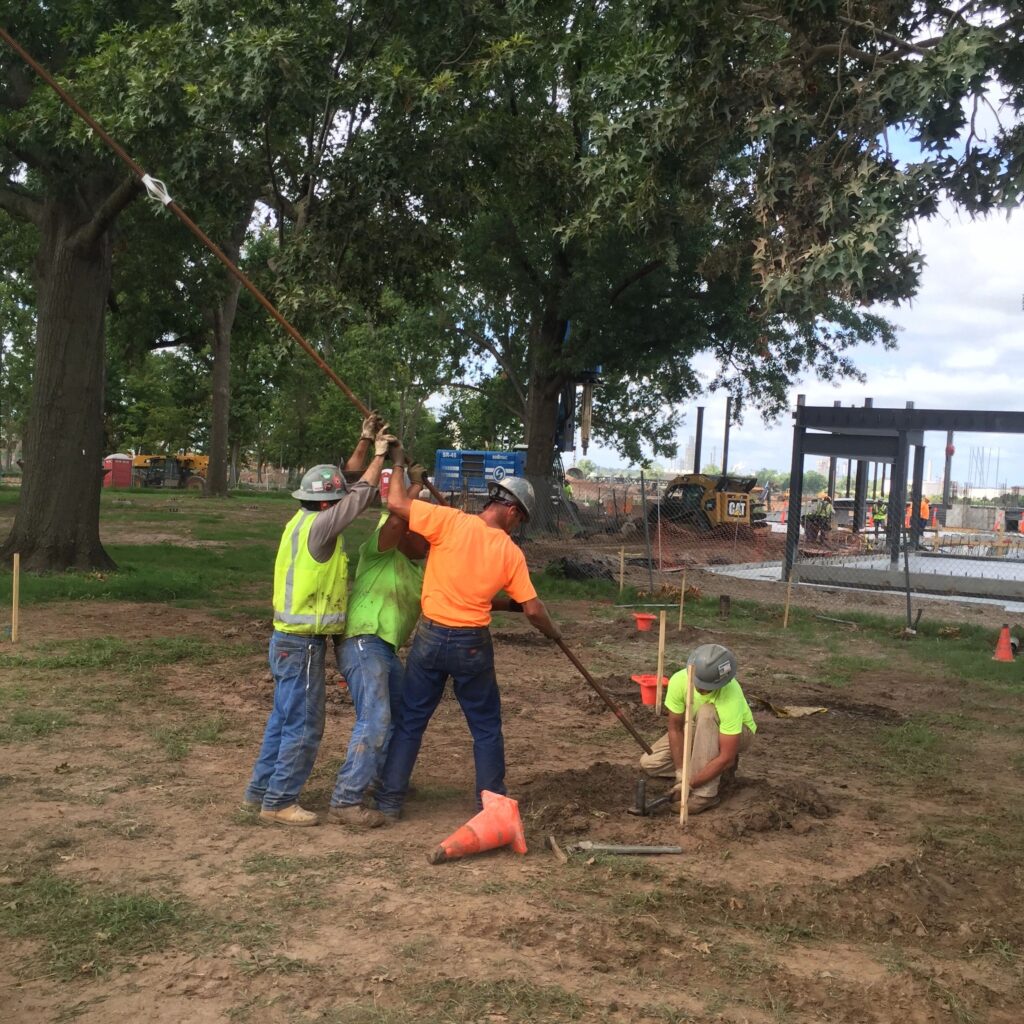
(453, 466)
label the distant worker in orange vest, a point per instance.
(923, 514)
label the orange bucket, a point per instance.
(644, 621)
(649, 687)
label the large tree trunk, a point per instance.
(542, 397)
(57, 523)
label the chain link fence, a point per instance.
(963, 562)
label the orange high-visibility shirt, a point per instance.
(469, 563)
(924, 509)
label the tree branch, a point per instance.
(107, 213)
(500, 358)
(922, 47)
(631, 279)
(518, 413)
(20, 203)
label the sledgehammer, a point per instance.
(607, 698)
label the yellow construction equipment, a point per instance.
(181, 470)
(709, 502)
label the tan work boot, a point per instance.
(356, 815)
(291, 815)
(700, 804)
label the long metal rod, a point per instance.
(138, 171)
(607, 698)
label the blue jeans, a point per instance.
(375, 677)
(468, 657)
(296, 724)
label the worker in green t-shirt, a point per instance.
(382, 611)
(723, 726)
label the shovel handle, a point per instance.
(621, 715)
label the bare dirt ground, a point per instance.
(864, 870)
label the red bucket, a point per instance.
(644, 621)
(649, 687)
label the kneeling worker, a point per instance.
(723, 726)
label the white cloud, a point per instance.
(961, 347)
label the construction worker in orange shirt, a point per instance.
(923, 514)
(472, 558)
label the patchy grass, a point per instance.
(443, 1002)
(178, 740)
(114, 653)
(33, 724)
(839, 669)
(83, 930)
(914, 748)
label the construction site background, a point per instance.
(967, 562)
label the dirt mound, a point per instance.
(759, 807)
(571, 801)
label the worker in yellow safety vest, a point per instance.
(310, 596)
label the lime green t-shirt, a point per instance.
(385, 600)
(729, 702)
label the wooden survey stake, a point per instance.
(684, 794)
(682, 601)
(15, 595)
(622, 569)
(661, 662)
(789, 594)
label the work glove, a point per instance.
(371, 427)
(677, 789)
(383, 441)
(418, 475)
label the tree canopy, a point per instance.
(469, 208)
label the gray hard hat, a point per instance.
(713, 666)
(321, 483)
(514, 488)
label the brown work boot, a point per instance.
(700, 804)
(356, 815)
(291, 815)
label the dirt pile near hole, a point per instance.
(760, 807)
(573, 800)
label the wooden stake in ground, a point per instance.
(789, 593)
(682, 600)
(622, 570)
(15, 595)
(684, 794)
(661, 661)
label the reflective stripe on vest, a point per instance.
(310, 597)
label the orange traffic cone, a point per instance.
(498, 824)
(1004, 649)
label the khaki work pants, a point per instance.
(705, 748)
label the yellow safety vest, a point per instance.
(310, 597)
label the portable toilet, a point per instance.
(117, 470)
